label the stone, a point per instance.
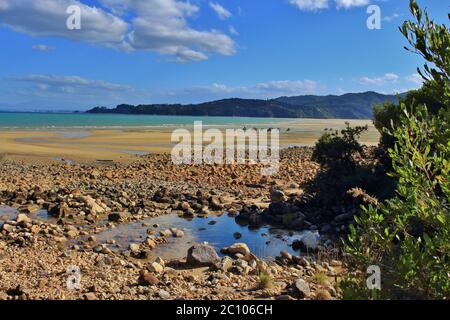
(166, 233)
(279, 208)
(277, 196)
(178, 234)
(163, 294)
(301, 289)
(90, 296)
(148, 279)
(7, 227)
(160, 261)
(237, 248)
(93, 206)
(343, 217)
(134, 247)
(155, 267)
(59, 210)
(237, 235)
(225, 264)
(202, 255)
(31, 208)
(22, 218)
(119, 216)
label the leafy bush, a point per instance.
(409, 235)
(334, 150)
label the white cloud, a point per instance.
(384, 79)
(220, 10)
(392, 17)
(48, 18)
(71, 83)
(42, 47)
(314, 5)
(157, 25)
(270, 89)
(310, 5)
(232, 30)
(415, 78)
(351, 3)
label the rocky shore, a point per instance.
(80, 200)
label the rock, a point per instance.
(119, 216)
(323, 295)
(277, 196)
(237, 248)
(160, 261)
(237, 235)
(343, 217)
(147, 279)
(225, 264)
(301, 289)
(178, 233)
(90, 296)
(155, 267)
(22, 218)
(134, 247)
(286, 255)
(93, 206)
(166, 233)
(278, 208)
(59, 211)
(2, 245)
(202, 255)
(7, 227)
(163, 294)
(71, 234)
(31, 208)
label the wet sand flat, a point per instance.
(123, 144)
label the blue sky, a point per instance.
(169, 51)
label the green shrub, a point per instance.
(409, 235)
(337, 150)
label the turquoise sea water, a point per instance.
(65, 120)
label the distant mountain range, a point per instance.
(347, 106)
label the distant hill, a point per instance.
(347, 106)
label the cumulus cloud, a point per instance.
(42, 47)
(310, 5)
(351, 3)
(314, 5)
(381, 80)
(48, 18)
(220, 10)
(156, 25)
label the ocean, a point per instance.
(88, 121)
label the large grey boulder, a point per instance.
(202, 255)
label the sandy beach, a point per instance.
(124, 144)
